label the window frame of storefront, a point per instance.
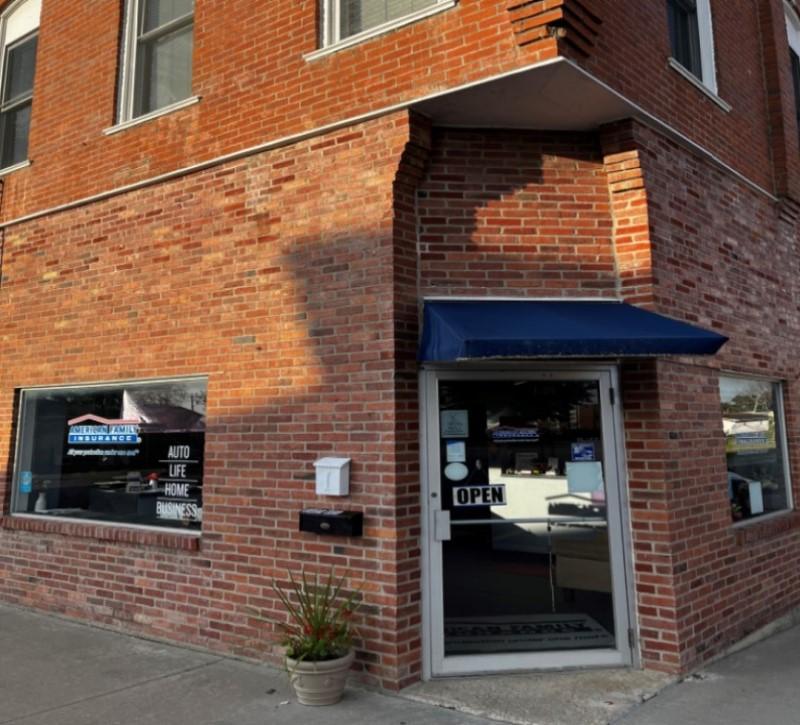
(780, 410)
(8, 509)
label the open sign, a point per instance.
(480, 495)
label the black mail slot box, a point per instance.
(328, 521)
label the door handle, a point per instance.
(441, 526)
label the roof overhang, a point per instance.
(555, 95)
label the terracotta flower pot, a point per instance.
(319, 683)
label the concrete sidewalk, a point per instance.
(56, 672)
(758, 685)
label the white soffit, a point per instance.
(556, 96)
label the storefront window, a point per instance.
(752, 420)
(129, 453)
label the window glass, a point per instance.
(753, 427)
(127, 453)
(795, 59)
(356, 16)
(165, 70)
(522, 474)
(156, 13)
(19, 66)
(16, 124)
(684, 34)
(157, 68)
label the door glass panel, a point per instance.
(527, 567)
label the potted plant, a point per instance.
(318, 636)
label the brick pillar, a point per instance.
(631, 231)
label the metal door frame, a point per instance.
(435, 664)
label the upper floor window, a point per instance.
(157, 60)
(347, 18)
(691, 39)
(793, 34)
(19, 27)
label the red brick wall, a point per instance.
(629, 210)
(290, 278)
(515, 213)
(256, 86)
(648, 486)
(723, 257)
(690, 241)
(781, 106)
(253, 80)
(630, 53)
(259, 275)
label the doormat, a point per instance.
(468, 635)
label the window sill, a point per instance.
(15, 167)
(150, 116)
(102, 531)
(379, 30)
(697, 83)
(758, 529)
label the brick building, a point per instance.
(490, 251)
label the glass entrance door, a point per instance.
(524, 519)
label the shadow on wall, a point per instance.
(517, 213)
(300, 340)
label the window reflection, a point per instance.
(753, 428)
(127, 453)
(527, 567)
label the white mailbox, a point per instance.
(333, 476)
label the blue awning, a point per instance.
(469, 330)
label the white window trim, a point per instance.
(127, 76)
(331, 43)
(697, 83)
(780, 411)
(15, 167)
(705, 30)
(792, 27)
(163, 111)
(127, 62)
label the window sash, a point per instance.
(336, 16)
(176, 87)
(684, 31)
(163, 29)
(15, 132)
(26, 94)
(134, 100)
(15, 111)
